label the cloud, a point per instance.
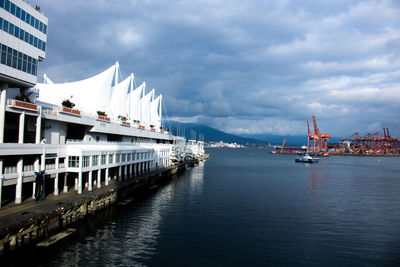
(260, 67)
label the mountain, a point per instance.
(278, 139)
(214, 135)
(188, 130)
(290, 139)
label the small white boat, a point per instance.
(307, 158)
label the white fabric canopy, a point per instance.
(119, 98)
(146, 107)
(89, 95)
(135, 103)
(46, 79)
(156, 112)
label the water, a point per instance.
(246, 207)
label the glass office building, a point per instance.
(23, 36)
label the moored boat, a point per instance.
(307, 159)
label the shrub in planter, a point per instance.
(101, 113)
(68, 104)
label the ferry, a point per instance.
(306, 159)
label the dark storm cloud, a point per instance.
(242, 66)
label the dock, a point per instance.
(45, 222)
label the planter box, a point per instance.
(102, 118)
(125, 123)
(71, 111)
(24, 105)
(153, 130)
(141, 127)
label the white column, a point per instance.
(65, 183)
(38, 126)
(37, 169)
(126, 172)
(80, 182)
(56, 192)
(99, 178)
(2, 112)
(43, 165)
(56, 178)
(18, 187)
(80, 175)
(107, 178)
(90, 180)
(130, 170)
(120, 173)
(21, 128)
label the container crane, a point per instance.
(312, 141)
(323, 138)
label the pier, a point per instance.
(45, 222)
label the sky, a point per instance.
(244, 67)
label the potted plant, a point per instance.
(102, 115)
(67, 106)
(67, 103)
(152, 127)
(124, 120)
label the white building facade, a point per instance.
(78, 149)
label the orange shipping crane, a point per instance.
(373, 144)
(312, 141)
(323, 138)
(283, 145)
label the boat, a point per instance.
(307, 159)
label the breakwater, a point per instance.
(30, 223)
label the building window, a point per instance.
(95, 160)
(61, 163)
(23, 15)
(110, 159)
(123, 158)
(128, 156)
(85, 161)
(73, 161)
(21, 34)
(117, 158)
(103, 159)
(13, 59)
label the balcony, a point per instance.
(103, 118)
(70, 111)
(22, 105)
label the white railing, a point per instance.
(11, 169)
(50, 166)
(29, 168)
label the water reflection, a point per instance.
(197, 179)
(316, 176)
(130, 238)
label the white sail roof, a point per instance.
(135, 103)
(89, 95)
(155, 107)
(146, 107)
(46, 79)
(119, 98)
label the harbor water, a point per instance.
(245, 207)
